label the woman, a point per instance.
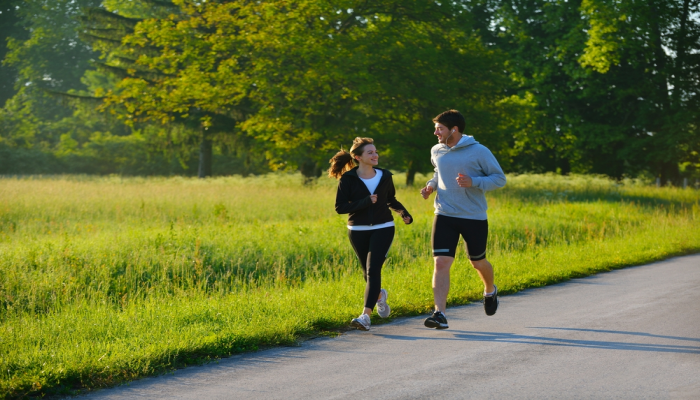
(367, 194)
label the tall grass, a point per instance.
(108, 279)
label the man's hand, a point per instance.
(464, 181)
(426, 191)
(373, 197)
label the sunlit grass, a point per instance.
(108, 279)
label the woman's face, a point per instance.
(369, 155)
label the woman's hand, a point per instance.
(425, 192)
(373, 197)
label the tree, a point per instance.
(9, 30)
(612, 83)
(307, 76)
(49, 57)
(167, 63)
(380, 69)
(50, 124)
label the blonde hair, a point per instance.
(340, 162)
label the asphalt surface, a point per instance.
(628, 334)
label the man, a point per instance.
(464, 170)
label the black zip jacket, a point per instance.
(353, 198)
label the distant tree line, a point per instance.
(221, 87)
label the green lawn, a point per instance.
(108, 279)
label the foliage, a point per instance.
(608, 98)
(308, 76)
(52, 58)
(601, 86)
(382, 69)
(9, 28)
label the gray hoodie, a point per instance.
(469, 158)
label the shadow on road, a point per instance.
(551, 341)
(620, 333)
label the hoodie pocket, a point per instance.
(445, 202)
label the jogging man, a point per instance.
(464, 170)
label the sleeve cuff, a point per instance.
(476, 181)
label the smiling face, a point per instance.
(444, 134)
(449, 126)
(369, 155)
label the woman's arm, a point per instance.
(395, 205)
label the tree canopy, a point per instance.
(601, 86)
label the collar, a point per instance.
(353, 172)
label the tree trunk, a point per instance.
(661, 76)
(564, 166)
(681, 46)
(410, 174)
(205, 157)
(310, 171)
(669, 173)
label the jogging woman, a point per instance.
(367, 193)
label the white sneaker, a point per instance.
(383, 309)
(362, 322)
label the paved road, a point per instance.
(628, 334)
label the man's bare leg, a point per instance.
(441, 281)
(485, 271)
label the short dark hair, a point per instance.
(452, 118)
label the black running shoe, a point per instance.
(437, 321)
(491, 302)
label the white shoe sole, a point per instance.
(359, 325)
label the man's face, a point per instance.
(442, 132)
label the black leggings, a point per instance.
(371, 248)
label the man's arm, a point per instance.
(432, 184)
(494, 177)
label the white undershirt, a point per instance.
(370, 227)
(371, 184)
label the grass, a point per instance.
(104, 280)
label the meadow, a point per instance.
(108, 279)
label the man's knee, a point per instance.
(480, 264)
(443, 263)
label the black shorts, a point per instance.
(446, 231)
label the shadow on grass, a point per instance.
(543, 196)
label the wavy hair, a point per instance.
(340, 162)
